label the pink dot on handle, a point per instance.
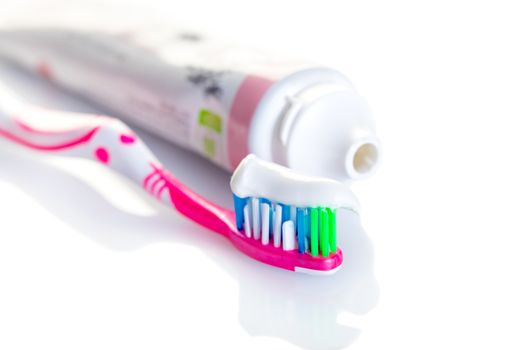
(102, 155)
(127, 139)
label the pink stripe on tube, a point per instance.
(243, 108)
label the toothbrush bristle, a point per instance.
(309, 230)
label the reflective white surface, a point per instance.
(89, 262)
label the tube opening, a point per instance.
(365, 158)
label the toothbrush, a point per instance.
(281, 218)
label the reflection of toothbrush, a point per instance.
(270, 200)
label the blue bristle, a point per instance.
(307, 220)
(239, 204)
(286, 212)
(293, 215)
(264, 200)
(301, 229)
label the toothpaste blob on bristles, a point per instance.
(258, 178)
(296, 212)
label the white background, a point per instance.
(435, 261)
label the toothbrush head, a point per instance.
(287, 219)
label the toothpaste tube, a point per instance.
(216, 99)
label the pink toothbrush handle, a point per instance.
(111, 142)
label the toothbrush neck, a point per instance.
(191, 204)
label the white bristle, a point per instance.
(265, 218)
(293, 217)
(288, 235)
(277, 226)
(247, 221)
(256, 218)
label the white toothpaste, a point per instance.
(258, 178)
(219, 100)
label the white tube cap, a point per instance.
(331, 135)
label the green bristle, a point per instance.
(332, 230)
(324, 233)
(314, 231)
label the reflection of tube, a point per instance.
(214, 99)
